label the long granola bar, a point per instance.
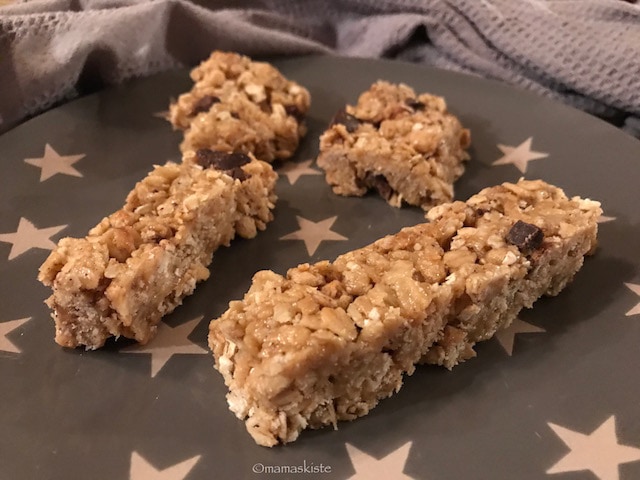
(140, 262)
(241, 105)
(407, 147)
(328, 341)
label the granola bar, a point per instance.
(328, 341)
(140, 262)
(407, 147)
(240, 105)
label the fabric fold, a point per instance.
(584, 53)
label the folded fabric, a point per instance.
(583, 52)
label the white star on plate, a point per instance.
(507, 336)
(519, 156)
(390, 466)
(7, 345)
(598, 451)
(605, 219)
(294, 170)
(314, 233)
(635, 288)
(52, 163)
(169, 341)
(143, 470)
(28, 236)
(164, 115)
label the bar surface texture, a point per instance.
(406, 146)
(139, 263)
(328, 341)
(241, 105)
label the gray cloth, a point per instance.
(583, 52)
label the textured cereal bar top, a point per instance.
(327, 341)
(407, 147)
(140, 262)
(241, 105)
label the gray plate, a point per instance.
(518, 410)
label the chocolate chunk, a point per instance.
(235, 115)
(209, 158)
(379, 183)
(234, 160)
(415, 104)
(220, 160)
(204, 104)
(293, 111)
(350, 122)
(238, 174)
(265, 107)
(525, 236)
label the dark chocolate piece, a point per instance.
(525, 236)
(293, 111)
(350, 122)
(415, 104)
(204, 104)
(234, 160)
(221, 160)
(237, 173)
(209, 158)
(379, 183)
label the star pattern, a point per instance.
(605, 219)
(635, 288)
(390, 466)
(52, 163)
(598, 451)
(169, 341)
(7, 345)
(294, 170)
(519, 156)
(28, 236)
(141, 469)
(314, 233)
(164, 115)
(506, 337)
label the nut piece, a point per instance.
(121, 242)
